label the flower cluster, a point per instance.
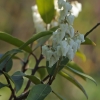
(65, 42)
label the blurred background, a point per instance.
(16, 19)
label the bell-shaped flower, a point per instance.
(81, 37)
(58, 36)
(64, 27)
(61, 3)
(70, 19)
(70, 53)
(54, 58)
(64, 47)
(44, 50)
(75, 47)
(49, 53)
(70, 31)
(70, 41)
(67, 6)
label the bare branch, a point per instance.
(91, 30)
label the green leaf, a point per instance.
(6, 64)
(52, 69)
(41, 41)
(3, 85)
(10, 54)
(75, 67)
(7, 75)
(82, 74)
(33, 78)
(81, 55)
(63, 63)
(54, 28)
(39, 92)
(46, 10)
(59, 96)
(17, 78)
(35, 37)
(42, 72)
(14, 41)
(74, 81)
(88, 42)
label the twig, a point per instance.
(23, 96)
(91, 30)
(10, 87)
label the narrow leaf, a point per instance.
(81, 55)
(10, 54)
(76, 67)
(46, 10)
(41, 41)
(63, 63)
(59, 96)
(14, 41)
(74, 81)
(82, 74)
(39, 92)
(35, 37)
(52, 69)
(88, 42)
(34, 79)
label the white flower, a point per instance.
(64, 27)
(58, 35)
(64, 42)
(70, 41)
(81, 37)
(61, 3)
(70, 31)
(59, 52)
(64, 47)
(70, 19)
(70, 53)
(49, 53)
(76, 8)
(75, 47)
(44, 50)
(54, 58)
(67, 6)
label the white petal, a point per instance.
(49, 54)
(44, 50)
(70, 53)
(70, 19)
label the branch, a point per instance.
(10, 87)
(91, 30)
(23, 96)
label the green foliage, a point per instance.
(88, 42)
(33, 78)
(73, 80)
(35, 37)
(50, 70)
(18, 80)
(46, 10)
(3, 85)
(39, 92)
(81, 74)
(43, 81)
(6, 65)
(14, 41)
(59, 96)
